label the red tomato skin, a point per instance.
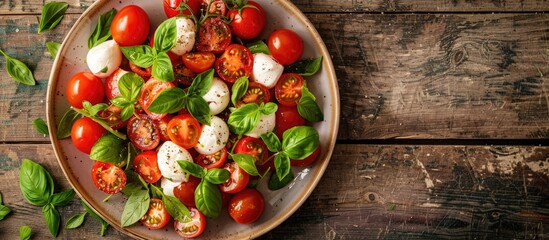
(288, 89)
(85, 133)
(197, 219)
(170, 7)
(157, 209)
(152, 88)
(184, 130)
(214, 36)
(198, 61)
(250, 23)
(143, 133)
(239, 179)
(286, 118)
(146, 165)
(254, 147)
(211, 161)
(256, 93)
(162, 125)
(246, 206)
(285, 46)
(103, 172)
(185, 191)
(84, 86)
(130, 26)
(237, 61)
(308, 161)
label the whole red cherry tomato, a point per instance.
(248, 22)
(85, 133)
(246, 206)
(84, 86)
(171, 7)
(130, 26)
(285, 46)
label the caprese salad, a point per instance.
(186, 118)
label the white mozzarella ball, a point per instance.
(213, 137)
(167, 186)
(266, 70)
(184, 42)
(218, 97)
(168, 155)
(104, 58)
(266, 124)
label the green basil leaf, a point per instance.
(299, 142)
(208, 199)
(192, 168)
(268, 108)
(201, 83)
(136, 207)
(40, 126)
(244, 119)
(127, 112)
(104, 227)
(24, 233)
(102, 31)
(170, 100)
(110, 149)
(239, 89)
(259, 47)
(130, 85)
(199, 109)
(121, 101)
(165, 36)
(65, 125)
(307, 67)
(94, 109)
(141, 55)
(246, 162)
(76, 221)
(19, 71)
(271, 140)
(35, 182)
(307, 106)
(52, 217)
(276, 183)
(101, 122)
(53, 48)
(104, 224)
(62, 198)
(176, 208)
(162, 68)
(1, 199)
(217, 175)
(134, 182)
(4, 211)
(52, 14)
(282, 165)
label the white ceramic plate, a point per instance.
(279, 204)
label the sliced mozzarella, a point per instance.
(104, 58)
(218, 97)
(168, 186)
(213, 137)
(184, 42)
(168, 155)
(266, 70)
(266, 124)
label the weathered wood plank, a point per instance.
(369, 191)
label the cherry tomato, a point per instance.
(143, 72)
(306, 161)
(146, 165)
(184, 130)
(157, 216)
(246, 206)
(170, 7)
(286, 118)
(285, 46)
(256, 93)
(199, 61)
(143, 133)
(130, 26)
(217, 7)
(152, 88)
(254, 147)
(239, 179)
(194, 228)
(288, 89)
(214, 36)
(84, 86)
(112, 116)
(85, 133)
(237, 61)
(248, 22)
(185, 191)
(108, 178)
(162, 125)
(215, 160)
(111, 83)
(183, 75)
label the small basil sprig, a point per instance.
(239, 89)
(130, 85)
(172, 100)
(53, 48)
(76, 220)
(102, 31)
(52, 14)
(25, 232)
(136, 207)
(306, 67)
(245, 118)
(91, 112)
(4, 211)
(259, 47)
(110, 149)
(307, 106)
(175, 208)
(246, 162)
(18, 70)
(40, 126)
(104, 224)
(65, 125)
(207, 195)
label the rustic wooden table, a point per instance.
(444, 123)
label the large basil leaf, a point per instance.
(141, 55)
(162, 68)
(110, 149)
(208, 199)
(176, 208)
(52, 217)
(65, 125)
(246, 162)
(201, 83)
(199, 109)
(271, 140)
(52, 14)
(244, 119)
(102, 31)
(18, 70)
(307, 106)
(170, 100)
(217, 175)
(35, 182)
(282, 165)
(165, 35)
(239, 89)
(136, 207)
(40, 126)
(299, 142)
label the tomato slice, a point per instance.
(146, 165)
(239, 179)
(199, 61)
(254, 147)
(185, 191)
(193, 228)
(162, 125)
(112, 116)
(288, 89)
(215, 160)
(256, 93)
(152, 88)
(143, 72)
(108, 177)
(183, 75)
(143, 133)
(246, 206)
(286, 118)
(237, 61)
(184, 130)
(214, 36)
(157, 216)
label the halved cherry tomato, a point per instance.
(217, 7)
(254, 147)
(146, 165)
(286, 118)
(185, 191)
(191, 229)
(239, 179)
(184, 130)
(162, 125)
(285, 46)
(288, 89)
(183, 75)
(248, 22)
(256, 93)
(214, 36)
(198, 61)
(111, 83)
(112, 116)
(152, 88)
(170, 7)
(157, 216)
(143, 133)
(215, 160)
(237, 61)
(130, 26)
(84, 86)
(85, 133)
(143, 72)
(108, 178)
(246, 206)
(306, 161)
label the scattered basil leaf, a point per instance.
(170, 100)
(104, 224)
(4, 211)
(299, 142)
(62, 198)
(199, 109)
(258, 47)
(35, 183)
(65, 125)
(141, 55)
(110, 149)
(276, 183)
(192, 168)
(306, 67)
(307, 106)
(271, 140)
(25, 233)
(136, 207)
(201, 83)
(176, 208)
(40, 126)
(76, 221)
(246, 162)
(244, 119)
(239, 89)
(162, 68)
(217, 175)
(1, 199)
(52, 14)
(104, 227)
(282, 165)
(18, 70)
(208, 199)
(52, 217)
(165, 36)
(53, 48)
(268, 108)
(102, 31)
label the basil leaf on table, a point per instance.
(141, 55)
(110, 149)
(276, 183)
(136, 207)
(165, 36)
(299, 142)
(25, 233)
(307, 67)
(208, 199)
(52, 217)
(4, 211)
(19, 70)
(35, 182)
(170, 100)
(246, 162)
(307, 106)
(62, 198)
(65, 125)
(40, 126)
(217, 175)
(76, 221)
(258, 47)
(271, 140)
(162, 68)
(53, 48)
(239, 89)
(192, 168)
(52, 14)
(102, 31)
